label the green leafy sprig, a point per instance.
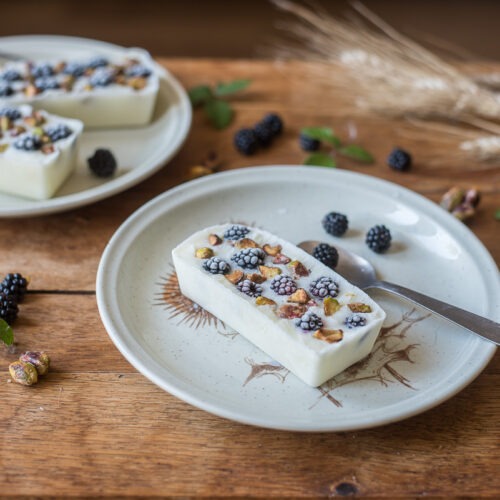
(218, 110)
(497, 214)
(6, 333)
(327, 135)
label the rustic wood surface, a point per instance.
(94, 426)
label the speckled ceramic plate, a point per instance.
(140, 152)
(418, 361)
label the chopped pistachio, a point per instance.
(256, 277)
(214, 240)
(246, 243)
(330, 306)
(269, 272)
(23, 373)
(235, 277)
(289, 311)
(39, 360)
(359, 307)
(329, 336)
(299, 296)
(272, 251)
(264, 301)
(299, 270)
(204, 253)
(281, 259)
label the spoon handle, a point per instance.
(483, 327)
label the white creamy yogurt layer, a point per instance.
(112, 105)
(303, 352)
(37, 173)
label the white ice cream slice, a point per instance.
(36, 173)
(313, 355)
(128, 100)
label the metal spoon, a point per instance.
(361, 273)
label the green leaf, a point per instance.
(356, 153)
(220, 113)
(6, 333)
(200, 94)
(231, 87)
(323, 134)
(497, 214)
(320, 160)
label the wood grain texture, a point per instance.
(94, 426)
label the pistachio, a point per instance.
(299, 296)
(30, 121)
(463, 211)
(330, 306)
(289, 311)
(452, 198)
(204, 253)
(329, 336)
(17, 130)
(5, 123)
(256, 278)
(3, 147)
(31, 90)
(214, 240)
(246, 243)
(281, 259)
(137, 83)
(235, 277)
(23, 373)
(299, 270)
(269, 272)
(272, 251)
(39, 360)
(199, 171)
(264, 301)
(38, 131)
(39, 117)
(59, 66)
(359, 307)
(472, 197)
(48, 149)
(88, 87)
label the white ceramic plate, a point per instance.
(419, 360)
(139, 151)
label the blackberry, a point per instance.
(97, 62)
(246, 141)
(249, 258)
(102, 77)
(236, 232)
(8, 308)
(42, 70)
(326, 254)
(335, 223)
(309, 321)
(46, 83)
(250, 288)
(355, 320)
(28, 142)
(102, 163)
(378, 238)
(283, 285)
(324, 287)
(216, 265)
(399, 159)
(11, 75)
(264, 134)
(137, 70)
(5, 89)
(58, 132)
(15, 285)
(308, 143)
(274, 122)
(75, 69)
(11, 113)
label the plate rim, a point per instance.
(126, 181)
(153, 209)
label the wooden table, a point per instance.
(95, 426)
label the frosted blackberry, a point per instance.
(355, 320)
(236, 232)
(274, 122)
(335, 223)
(11, 113)
(15, 285)
(249, 258)
(248, 287)
(42, 70)
(327, 254)
(309, 322)
(246, 142)
(102, 77)
(308, 143)
(283, 285)
(11, 75)
(378, 238)
(58, 132)
(28, 142)
(216, 265)
(46, 83)
(98, 62)
(102, 163)
(399, 159)
(264, 134)
(8, 308)
(324, 287)
(137, 70)
(74, 69)
(5, 89)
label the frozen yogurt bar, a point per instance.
(101, 92)
(293, 307)
(38, 151)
